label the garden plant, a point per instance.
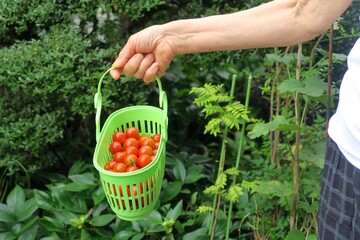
(246, 130)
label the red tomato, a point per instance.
(115, 147)
(132, 132)
(109, 165)
(144, 160)
(146, 150)
(157, 145)
(132, 168)
(155, 151)
(120, 167)
(156, 137)
(135, 190)
(132, 150)
(119, 157)
(130, 160)
(130, 142)
(142, 139)
(149, 142)
(119, 137)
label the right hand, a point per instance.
(146, 54)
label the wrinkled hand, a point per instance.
(146, 54)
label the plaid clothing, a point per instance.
(339, 212)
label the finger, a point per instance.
(115, 73)
(151, 72)
(124, 56)
(144, 65)
(133, 65)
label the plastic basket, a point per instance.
(131, 195)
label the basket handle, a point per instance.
(98, 105)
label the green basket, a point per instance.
(131, 195)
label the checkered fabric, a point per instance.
(339, 216)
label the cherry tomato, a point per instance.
(142, 139)
(115, 147)
(155, 151)
(132, 168)
(144, 160)
(156, 137)
(130, 160)
(146, 150)
(157, 145)
(130, 142)
(132, 150)
(110, 165)
(149, 142)
(120, 167)
(132, 132)
(119, 157)
(119, 137)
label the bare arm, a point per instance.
(277, 23)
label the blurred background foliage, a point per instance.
(53, 52)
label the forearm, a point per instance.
(277, 23)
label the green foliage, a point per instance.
(220, 107)
(52, 55)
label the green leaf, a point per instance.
(75, 187)
(64, 216)
(27, 209)
(290, 85)
(154, 217)
(124, 235)
(261, 129)
(274, 188)
(85, 179)
(29, 234)
(286, 59)
(74, 202)
(314, 153)
(179, 170)
(311, 86)
(43, 200)
(295, 235)
(16, 198)
(175, 212)
(52, 224)
(314, 86)
(7, 236)
(98, 195)
(102, 220)
(171, 191)
(312, 237)
(7, 214)
(194, 173)
(196, 234)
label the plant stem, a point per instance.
(239, 153)
(217, 198)
(297, 144)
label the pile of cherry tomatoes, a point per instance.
(130, 151)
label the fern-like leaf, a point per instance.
(203, 209)
(221, 181)
(232, 171)
(233, 194)
(212, 109)
(213, 126)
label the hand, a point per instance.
(146, 54)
